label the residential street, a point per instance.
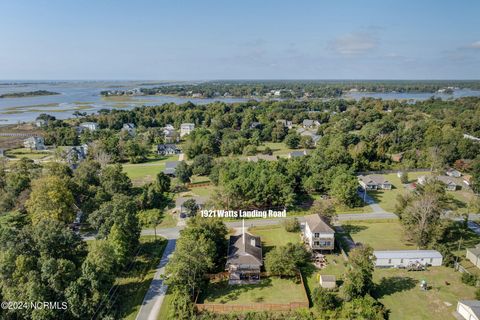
(153, 300)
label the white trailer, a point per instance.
(404, 258)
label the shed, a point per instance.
(468, 309)
(473, 254)
(328, 281)
(404, 258)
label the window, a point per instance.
(316, 243)
(317, 235)
(389, 261)
(401, 260)
(431, 260)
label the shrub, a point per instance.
(324, 299)
(469, 279)
(291, 225)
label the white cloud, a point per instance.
(354, 43)
(475, 45)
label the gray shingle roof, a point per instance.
(407, 254)
(245, 252)
(316, 224)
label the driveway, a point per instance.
(370, 201)
(153, 300)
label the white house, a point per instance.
(186, 128)
(34, 143)
(453, 173)
(307, 123)
(318, 234)
(92, 126)
(450, 183)
(404, 258)
(469, 309)
(297, 154)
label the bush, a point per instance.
(469, 279)
(324, 299)
(477, 294)
(292, 225)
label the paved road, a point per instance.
(153, 300)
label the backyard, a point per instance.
(269, 290)
(399, 291)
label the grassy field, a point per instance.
(399, 291)
(379, 235)
(387, 199)
(142, 173)
(278, 148)
(134, 283)
(27, 153)
(273, 236)
(269, 290)
(168, 221)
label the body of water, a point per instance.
(85, 96)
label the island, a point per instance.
(28, 94)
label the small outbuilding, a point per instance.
(405, 258)
(328, 281)
(468, 309)
(473, 254)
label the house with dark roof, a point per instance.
(168, 149)
(317, 234)
(170, 167)
(244, 259)
(130, 128)
(75, 155)
(374, 182)
(179, 203)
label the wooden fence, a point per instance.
(198, 185)
(228, 308)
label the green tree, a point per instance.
(183, 172)
(358, 278)
(50, 199)
(191, 207)
(114, 180)
(324, 299)
(150, 219)
(202, 165)
(344, 189)
(292, 140)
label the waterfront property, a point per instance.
(405, 258)
(317, 234)
(244, 259)
(374, 182)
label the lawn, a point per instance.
(142, 173)
(166, 308)
(278, 148)
(134, 283)
(275, 235)
(387, 199)
(380, 235)
(168, 221)
(269, 290)
(27, 153)
(400, 293)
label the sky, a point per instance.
(243, 39)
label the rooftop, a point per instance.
(407, 254)
(316, 224)
(245, 252)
